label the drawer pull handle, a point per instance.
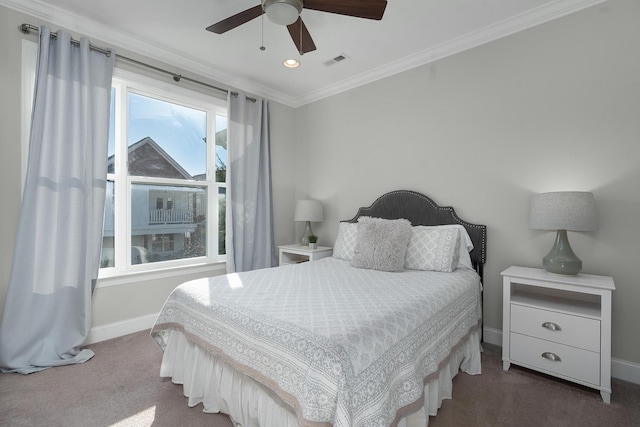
(551, 356)
(551, 326)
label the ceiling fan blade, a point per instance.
(236, 20)
(369, 9)
(301, 37)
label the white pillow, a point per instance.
(382, 244)
(434, 249)
(466, 245)
(345, 244)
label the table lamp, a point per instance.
(563, 211)
(309, 211)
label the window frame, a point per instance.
(126, 82)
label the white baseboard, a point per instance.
(621, 369)
(624, 370)
(492, 336)
(119, 329)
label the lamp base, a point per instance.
(561, 259)
(304, 240)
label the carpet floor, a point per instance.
(120, 386)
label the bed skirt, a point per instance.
(216, 384)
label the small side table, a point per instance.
(559, 325)
(293, 254)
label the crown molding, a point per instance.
(94, 29)
(532, 18)
(123, 40)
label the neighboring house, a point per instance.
(167, 222)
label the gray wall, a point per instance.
(10, 154)
(556, 107)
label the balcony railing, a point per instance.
(171, 216)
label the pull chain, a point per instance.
(262, 21)
(301, 47)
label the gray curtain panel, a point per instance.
(250, 243)
(47, 314)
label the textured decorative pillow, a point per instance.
(345, 244)
(435, 249)
(382, 244)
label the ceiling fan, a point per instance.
(287, 12)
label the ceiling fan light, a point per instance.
(282, 12)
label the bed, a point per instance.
(355, 339)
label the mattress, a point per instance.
(333, 344)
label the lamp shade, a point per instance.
(309, 210)
(563, 210)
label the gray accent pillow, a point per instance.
(382, 244)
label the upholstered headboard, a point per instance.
(421, 210)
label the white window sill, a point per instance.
(140, 276)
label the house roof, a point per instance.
(147, 158)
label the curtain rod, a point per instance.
(27, 28)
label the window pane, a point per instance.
(107, 258)
(222, 220)
(112, 133)
(177, 230)
(221, 148)
(166, 140)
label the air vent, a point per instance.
(335, 60)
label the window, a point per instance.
(166, 182)
(166, 190)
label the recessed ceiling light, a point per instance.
(291, 63)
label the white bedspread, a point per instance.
(343, 346)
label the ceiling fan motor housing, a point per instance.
(282, 12)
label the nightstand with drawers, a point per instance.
(559, 325)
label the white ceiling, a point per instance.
(411, 33)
